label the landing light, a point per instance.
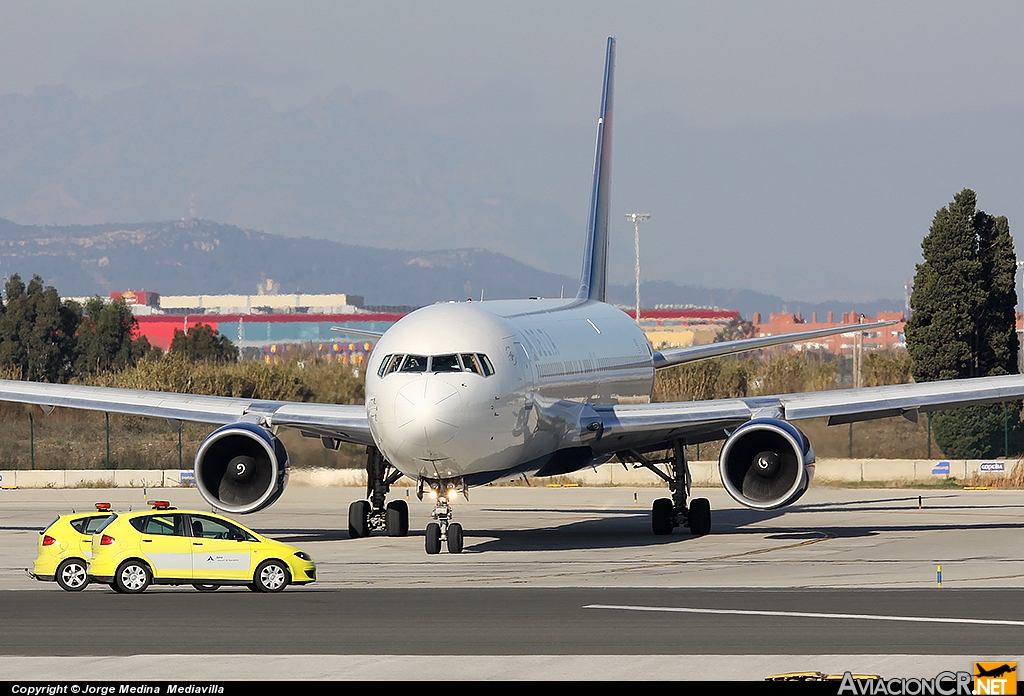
(452, 494)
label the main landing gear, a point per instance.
(365, 516)
(442, 529)
(666, 513)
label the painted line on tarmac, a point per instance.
(810, 615)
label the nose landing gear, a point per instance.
(442, 529)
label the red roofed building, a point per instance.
(885, 338)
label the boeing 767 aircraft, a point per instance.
(466, 393)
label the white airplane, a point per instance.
(463, 394)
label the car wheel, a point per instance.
(71, 575)
(114, 587)
(271, 576)
(206, 588)
(133, 577)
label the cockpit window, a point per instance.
(477, 363)
(471, 364)
(445, 363)
(414, 363)
(385, 364)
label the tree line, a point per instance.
(44, 338)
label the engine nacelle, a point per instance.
(241, 468)
(766, 464)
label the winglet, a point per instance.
(594, 280)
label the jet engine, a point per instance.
(766, 464)
(241, 468)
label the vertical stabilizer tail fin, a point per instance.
(594, 280)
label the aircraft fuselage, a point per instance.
(482, 390)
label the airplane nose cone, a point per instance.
(428, 412)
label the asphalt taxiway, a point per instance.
(555, 583)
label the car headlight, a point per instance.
(303, 555)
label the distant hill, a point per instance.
(201, 256)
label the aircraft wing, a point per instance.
(363, 333)
(635, 426)
(680, 356)
(343, 422)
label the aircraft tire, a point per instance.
(699, 517)
(396, 518)
(662, 516)
(455, 538)
(359, 519)
(433, 543)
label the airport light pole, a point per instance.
(636, 218)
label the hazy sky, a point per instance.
(797, 148)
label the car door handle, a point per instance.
(147, 541)
(197, 543)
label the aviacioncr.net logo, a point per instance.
(943, 684)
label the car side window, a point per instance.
(210, 528)
(89, 525)
(161, 525)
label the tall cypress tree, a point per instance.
(997, 331)
(963, 322)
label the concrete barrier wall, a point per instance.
(704, 474)
(92, 478)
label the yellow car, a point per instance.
(64, 548)
(176, 547)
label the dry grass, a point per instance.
(69, 439)
(1013, 479)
